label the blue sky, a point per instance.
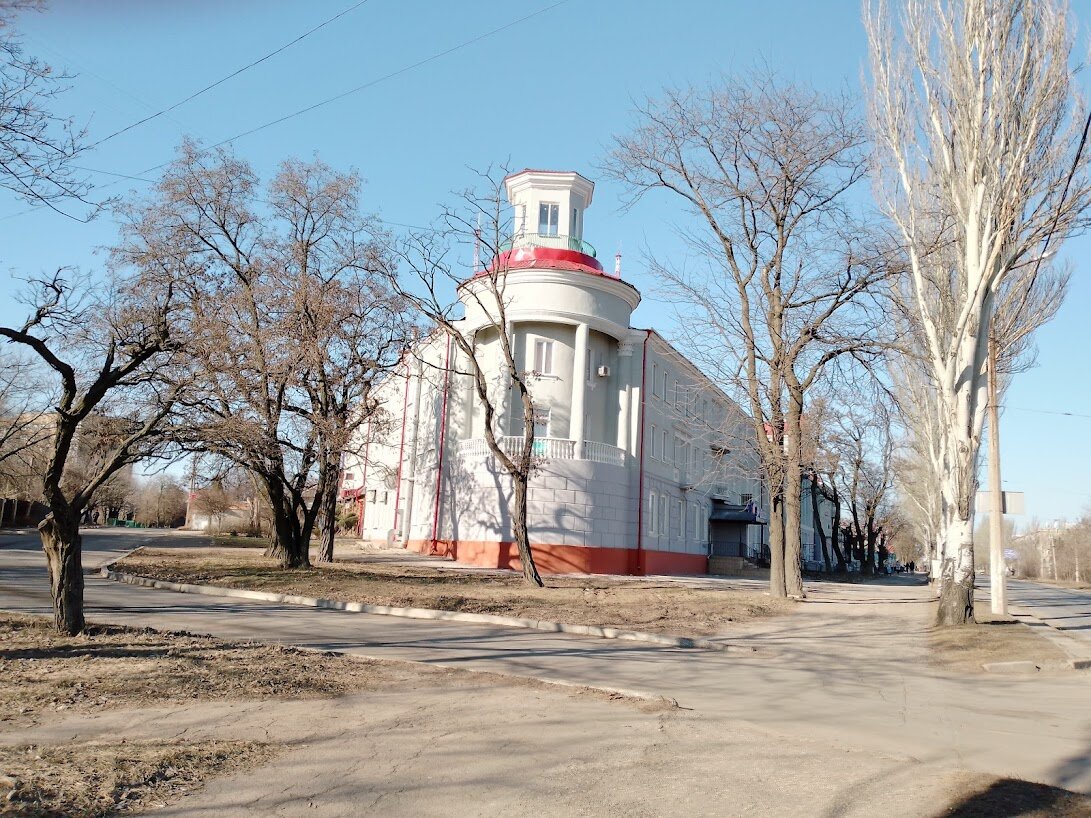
(547, 92)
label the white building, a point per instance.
(645, 465)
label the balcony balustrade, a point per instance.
(549, 448)
(555, 242)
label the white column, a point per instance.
(579, 386)
(625, 398)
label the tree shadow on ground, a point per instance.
(1014, 798)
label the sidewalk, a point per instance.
(841, 671)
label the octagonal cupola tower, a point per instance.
(551, 270)
(568, 319)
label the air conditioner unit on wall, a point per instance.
(604, 371)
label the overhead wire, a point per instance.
(230, 76)
(370, 84)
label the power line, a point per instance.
(232, 75)
(1047, 412)
(386, 77)
(327, 101)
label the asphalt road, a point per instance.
(833, 672)
(1066, 609)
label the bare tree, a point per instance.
(979, 166)
(161, 501)
(864, 441)
(1029, 297)
(106, 346)
(37, 146)
(765, 168)
(288, 324)
(25, 416)
(501, 384)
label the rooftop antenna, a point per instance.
(617, 261)
(477, 245)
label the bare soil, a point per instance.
(966, 648)
(984, 796)
(45, 673)
(639, 605)
(99, 779)
(48, 678)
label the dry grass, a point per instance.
(99, 779)
(646, 606)
(983, 796)
(45, 673)
(238, 541)
(966, 648)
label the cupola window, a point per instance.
(548, 218)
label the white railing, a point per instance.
(603, 453)
(512, 445)
(550, 448)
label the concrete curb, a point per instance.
(1076, 650)
(426, 613)
(98, 569)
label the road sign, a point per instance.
(1011, 554)
(1012, 502)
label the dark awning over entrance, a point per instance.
(732, 513)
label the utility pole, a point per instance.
(1053, 548)
(998, 584)
(192, 490)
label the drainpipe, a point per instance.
(441, 445)
(640, 479)
(401, 452)
(411, 494)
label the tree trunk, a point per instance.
(522, 535)
(777, 586)
(62, 544)
(288, 548)
(793, 497)
(329, 524)
(835, 535)
(818, 524)
(956, 598)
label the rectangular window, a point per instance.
(547, 218)
(654, 387)
(655, 442)
(681, 520)
(666, 454)
(697, 522)
(651, 512)
(371, 498)
(543, 357)
(664, 515)
(587, 367)
(541, 422)
(664, 394)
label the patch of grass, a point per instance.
(981, 796)
(100, 779)
(649, 606)
(227, 541)
(966, 648)
(46, 673)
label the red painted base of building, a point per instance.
(551, 558)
